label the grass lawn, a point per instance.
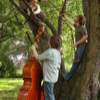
(9, 88)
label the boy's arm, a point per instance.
(69, 20)
(45, 55)
(35, 52)
(83, 39)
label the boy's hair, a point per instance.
(55, 42)
(81, 19)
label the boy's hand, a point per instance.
(33, 47)
(75, 45)
(63, 15)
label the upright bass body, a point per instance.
(32, 76)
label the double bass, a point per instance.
(32, 76)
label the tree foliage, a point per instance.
(51, 11)
(13, 41)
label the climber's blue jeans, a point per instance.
(48, 91)
(79, 54)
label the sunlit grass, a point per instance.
(9, 88)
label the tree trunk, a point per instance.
(84, 84)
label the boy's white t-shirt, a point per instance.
(51, 64)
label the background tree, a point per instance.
(13, 43)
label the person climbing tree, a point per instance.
(80, 37)
(51, 64)
(36, 10)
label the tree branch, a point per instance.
(3, 40)
(60, 20)
(6, 18)
(86, 11)
(19, 9)
(29, 37)
(51, 27)
(62, 68)
(18, 18)
(54, 6)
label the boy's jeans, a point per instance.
(48, 91)
(79, 54)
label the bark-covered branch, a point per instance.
(7, 18)
(29, 37)
(19, 9)
(51, 27)
(3, 31)
(6, 38)
(27, 5)
(58, 85)
(54, 6)
(60, 20)
(86, 11)
(18, 19)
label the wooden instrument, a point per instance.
(32, 76)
